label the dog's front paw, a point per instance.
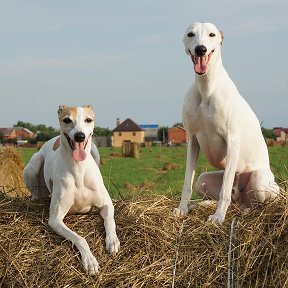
(216, 218)
(181, 210)
(112, 244)
(90, 263)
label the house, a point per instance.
(281, 134)
(23, 133)
(8, 133)
(150, 131)
(127, 131)
(177, 135)
(18, 133)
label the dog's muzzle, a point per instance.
(200, 59)
(78, 145)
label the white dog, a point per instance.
(220, 122)
(67, 166)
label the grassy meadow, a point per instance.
(158, 170)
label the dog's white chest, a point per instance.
(86, 193)
(207, 123)
(83, 201)
(207, 116)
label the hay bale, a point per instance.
(31, 255)
(11, 172)
(130, 149)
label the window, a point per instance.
(119, 134)
(134, 133)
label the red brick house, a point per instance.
(18, 133)
(8, 133)
(281, 134)
(177, 135)
(24, 133)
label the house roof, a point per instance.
(127, 126)
(149, 126)
(177, 128)
(7, 130)
(278, 130)
(22, 128)
(10, 130)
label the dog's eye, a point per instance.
(88, 120)
(67, 120)
(190, 34)
(212, 34)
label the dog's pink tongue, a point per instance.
(200, 66)
(79, 153)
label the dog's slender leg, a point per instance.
(59, 207)
(193, 149)
(95, 154)
(112, 241)
(233, 147)
(31, 175)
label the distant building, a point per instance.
(281, 134)
(18, 133)
(127, 131)
(177, 135)
(150, 131)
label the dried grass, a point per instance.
(31, 255)
(144, 186)
(11, 168)
(157, 248)
(170, 166)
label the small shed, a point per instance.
(177, 135)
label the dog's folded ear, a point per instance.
(222, 36)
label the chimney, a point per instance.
(117, 122)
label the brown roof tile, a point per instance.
(127, 126)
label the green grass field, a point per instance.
(158, 170)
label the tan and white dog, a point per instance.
(221, 123)
(67, 168)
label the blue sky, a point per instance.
(127, 59)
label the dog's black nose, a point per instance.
(200, 50)
(79, 137)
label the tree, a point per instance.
(178, 124)
(98, 131)
(27, 125)
(268, 133)
(46, 135)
